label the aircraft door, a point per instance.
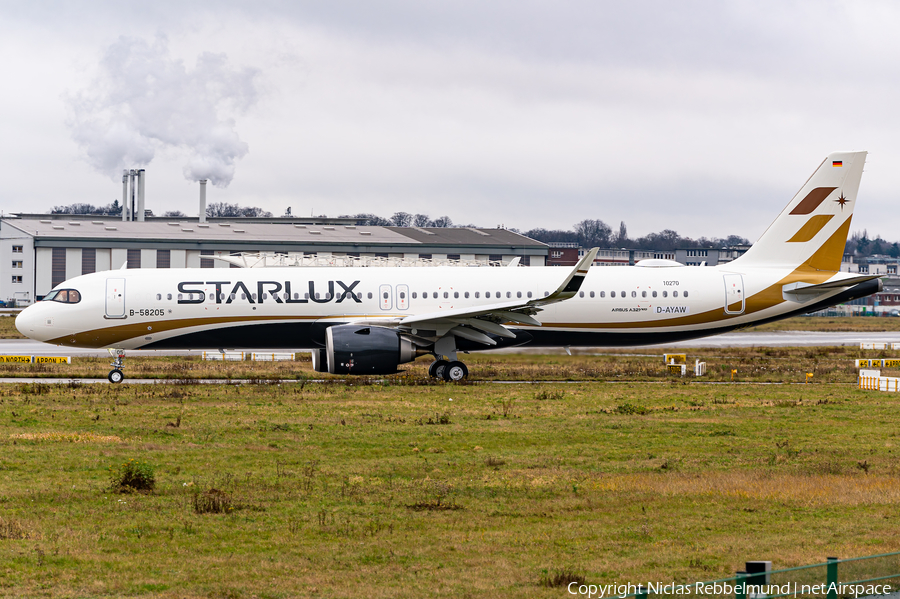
(384, 297)
(734, 294)
(115, 298)
(402, 297)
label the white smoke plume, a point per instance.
(144, 101)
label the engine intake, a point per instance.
(365, 349)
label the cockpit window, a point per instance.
(63, 296)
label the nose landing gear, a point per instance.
(116, 375)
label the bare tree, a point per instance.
(402, 219)
(593, 233)
(443, 221)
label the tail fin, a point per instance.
(811, 232)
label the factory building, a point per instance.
(39, 251)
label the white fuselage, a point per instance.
(289, 307)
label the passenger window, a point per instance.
(602, 294)
(685, 294)
(369, 296)
(434, 294)
(634, 294)
(296, 295)
(477, 294)
(169, 296)
(487, 294)
(446, 295)
(581, 294)
(674, 294)
(233, 296)
(243, 296)
(158, 296)
(212, 296)
(266, 296)
(253, 295)
(509, 294)
(665, 294)
(499, 295)
(466, 294)
(402, 295)
(546, 293)
(518, 294)
(612, 294)
(328, 296)
(414, 295)
(317, 295)
(654, 294)
(529, 294)
(180, 297)
(456, 294)
(592, 294)
(643, 294)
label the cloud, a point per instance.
(144, 101)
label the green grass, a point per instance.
(393, 490)
(782, 364)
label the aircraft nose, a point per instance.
(27, 322)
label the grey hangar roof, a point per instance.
(248, 234)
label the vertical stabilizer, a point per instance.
(811, 232)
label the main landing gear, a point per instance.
(116, 375)
(451, 371)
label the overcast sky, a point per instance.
(703, 117)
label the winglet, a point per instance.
(572, 283)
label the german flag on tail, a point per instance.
(837, 163)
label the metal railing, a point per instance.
(862, 576)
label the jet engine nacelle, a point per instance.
(365, 349)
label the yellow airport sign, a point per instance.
(20, 359)
(52, 360)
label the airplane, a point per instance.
(371, 320)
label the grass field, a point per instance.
(752, 364)
(408, 489)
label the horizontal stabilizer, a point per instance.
(801, 292)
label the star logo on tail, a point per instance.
(842, 200)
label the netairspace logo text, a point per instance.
(611, 591)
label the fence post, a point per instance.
(740, 591)
(832, 576)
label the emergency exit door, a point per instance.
(115, 298)
(734, 294)
(385, 297)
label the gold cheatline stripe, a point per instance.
(815, 270)
(809, 230)
(820, 267)
(111, 335)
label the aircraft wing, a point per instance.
(476, 323)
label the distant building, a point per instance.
(38, 252)
(563, 253)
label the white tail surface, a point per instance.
(811, 232)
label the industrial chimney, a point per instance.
(125, 195)
(140, 195)
(202, 200)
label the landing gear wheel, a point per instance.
(437, 368)
(116, 376)
(455, 371)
